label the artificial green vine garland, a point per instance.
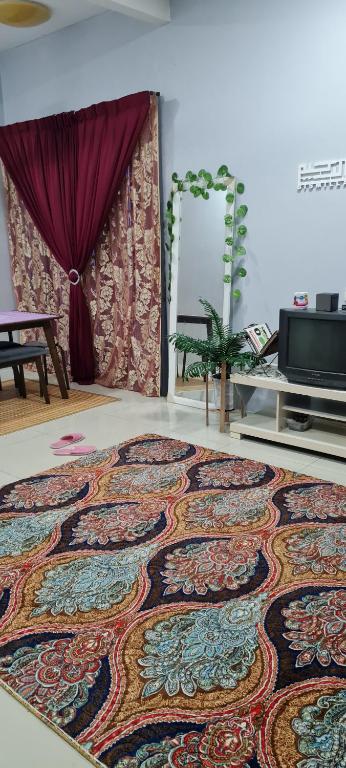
(199, 185)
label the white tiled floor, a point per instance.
(27, 452)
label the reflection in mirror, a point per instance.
(200, 275)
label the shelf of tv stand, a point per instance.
(323, 409)
(327, 407)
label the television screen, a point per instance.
(316, 345)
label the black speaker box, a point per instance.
(327, 302)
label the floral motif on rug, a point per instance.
(166, 606)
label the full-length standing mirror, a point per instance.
(199, 269)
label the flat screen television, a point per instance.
(312, 347)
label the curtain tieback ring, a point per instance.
(74, 272)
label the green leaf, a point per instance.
(229, 241)
(222, 344)
(236, 293)
(180, 186)
(184, 343)
(195, 190)
(202, 173)
(205, 194)
(216, 320)
(223, 171)
(244, 360)
(240, 250)
(198, 370)
(228, 220)
(227, 279)
(241, 272)
(242, 230)
(217, 186)
(242, 211)
(227, 258)
(208, 177)
(175, 177)
(230, 198)
(169, 205)
(210, 184)
(240, 188)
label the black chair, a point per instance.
(45, 351)
(40, 345)
(15, 356)
(195, 320)
(16, 375)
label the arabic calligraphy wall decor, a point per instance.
(330, 174)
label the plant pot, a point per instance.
(217, 393)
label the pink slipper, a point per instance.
(78, 450)
(74, 437)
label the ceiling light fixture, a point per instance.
(23, 13)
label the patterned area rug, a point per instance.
(17, 413)
(166, 606)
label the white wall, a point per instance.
(256, 84)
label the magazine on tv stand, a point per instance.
(258, 335)
(261, 340)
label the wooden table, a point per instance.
(18, 321)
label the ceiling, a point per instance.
(67, 12)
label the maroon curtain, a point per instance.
(67, 169)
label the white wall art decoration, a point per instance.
(329, 174)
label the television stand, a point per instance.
(327, 408)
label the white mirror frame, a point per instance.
(177, 197)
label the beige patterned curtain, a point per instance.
(122, 283)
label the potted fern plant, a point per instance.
(218, 354)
